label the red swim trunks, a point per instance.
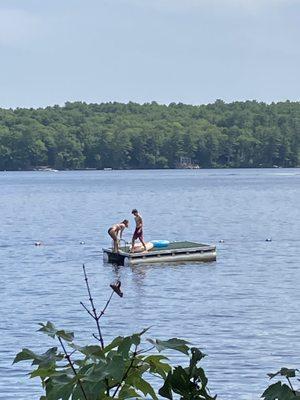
(138, 234)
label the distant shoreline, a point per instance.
(143, 169)
(80, 136)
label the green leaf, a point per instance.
(166, 389)
(50, 330)
(126, 344)
(174, 344)
(95, 373)
(180, 381)
(45, 359)
(144, 331)
(95, 390)
(136, 338)
(194, 372)
(66, 335)
(25, 354)
(60, 387)
(77, 393)
(116, 367)
(199, 374)
(156, 366)
(140, 384)
(278, 391)
(43, 372)
(66, 391)
(197, 355)
(115, 343)
(271, 391)
(128, 392)
(90, 351)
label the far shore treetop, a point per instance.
(128, 136)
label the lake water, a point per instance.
(242, 310)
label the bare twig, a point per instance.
(72, 352)
(87, 310)
(68, 357)
(106, 305)
(291, 386)
(96, 337)
(146, 350)
(94, 313)
(96, 317)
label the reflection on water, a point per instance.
(242, 310)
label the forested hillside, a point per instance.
(80, 135)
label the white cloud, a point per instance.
(17, 26)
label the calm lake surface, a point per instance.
(242, 310)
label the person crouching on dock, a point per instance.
(138, 233)
(115, 230)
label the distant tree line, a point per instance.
(124, 136)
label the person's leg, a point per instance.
(116, 245)
(141, 238)
(132, 245)
(114, 237)
(133, 241)
(143, 243)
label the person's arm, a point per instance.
(139, 223)
(121, 231)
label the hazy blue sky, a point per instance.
(191, 51)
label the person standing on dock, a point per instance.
(115, 230)
(138, 233)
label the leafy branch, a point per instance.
(282, 391)
(119, 367)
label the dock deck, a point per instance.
(174, 252)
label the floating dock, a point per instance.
(174, 252)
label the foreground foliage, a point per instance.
(125, 368)
(80, 135)
(283, 391)
(120, 369)
(116, 371)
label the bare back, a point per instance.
(117, 227)
(138, 221)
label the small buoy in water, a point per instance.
(268, 240)
(82, 242)
(38, 243)
(222, 241)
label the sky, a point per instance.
(189, 51)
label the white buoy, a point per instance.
(81, 242)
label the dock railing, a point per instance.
(126, 244)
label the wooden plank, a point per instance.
(169, 252)
(183, 257)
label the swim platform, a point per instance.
(175, 252)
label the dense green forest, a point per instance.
(116, 135)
